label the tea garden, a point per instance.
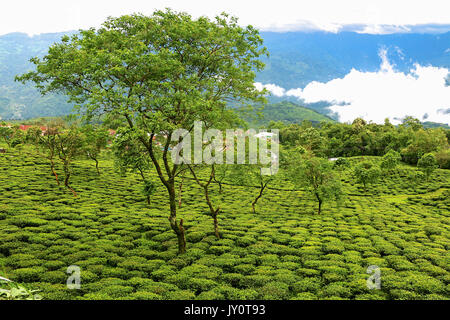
(139, 226)
(126, 249)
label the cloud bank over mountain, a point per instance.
(375, 17)
(381, 29)
(387, 93)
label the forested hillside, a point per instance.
(19, 101)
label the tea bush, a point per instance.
(286, 251)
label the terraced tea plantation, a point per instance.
(126, 249)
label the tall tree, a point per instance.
(158, 73)
(13, 136)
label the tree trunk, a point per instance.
(320, 206)
(169, 183)
(180, 195)
(52, 164)
(261, 191)
(66, 181)
(216, 226)
(253, 207)
(148, 200)
(214, 213)
(320, 202)
(96, 166)
(178, 228)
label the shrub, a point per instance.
(210, 295)
(233, 279)
(244, 269)
(218, 250)
(245, 241)
(117, 291)
(342, 163)
(285, 276)
(427, 164)
(305, 296)
(307, 285)
(28, 275)
(443, 158)
(253, 281)
(400, 263)
(201, 271)
(143, 295)
(163, 272)
(337, 289)
(181, 295)
(201, 284)
(54, 265)
(390, 160)
(54, 277)
(275, 291)
(195, 236)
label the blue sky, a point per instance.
(381, 16)
(385, 93)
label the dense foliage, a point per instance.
(360, 138)
(126, 250)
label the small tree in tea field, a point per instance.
(131, 155)
(427, 164)
(366, 173)
(390, 160)
(69, 145)
(95, 140)
(317, 175)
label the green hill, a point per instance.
(289, 112)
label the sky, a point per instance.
(44, 16)
(385, 93)
(374, 96)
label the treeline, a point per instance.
(59, 142)
(333, 140)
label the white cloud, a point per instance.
(272, 88)
(383, 29)
(34, 17)
(387, 93)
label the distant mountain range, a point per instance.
(296, 59)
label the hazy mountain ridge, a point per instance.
(296, 59)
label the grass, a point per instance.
(126, 250)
